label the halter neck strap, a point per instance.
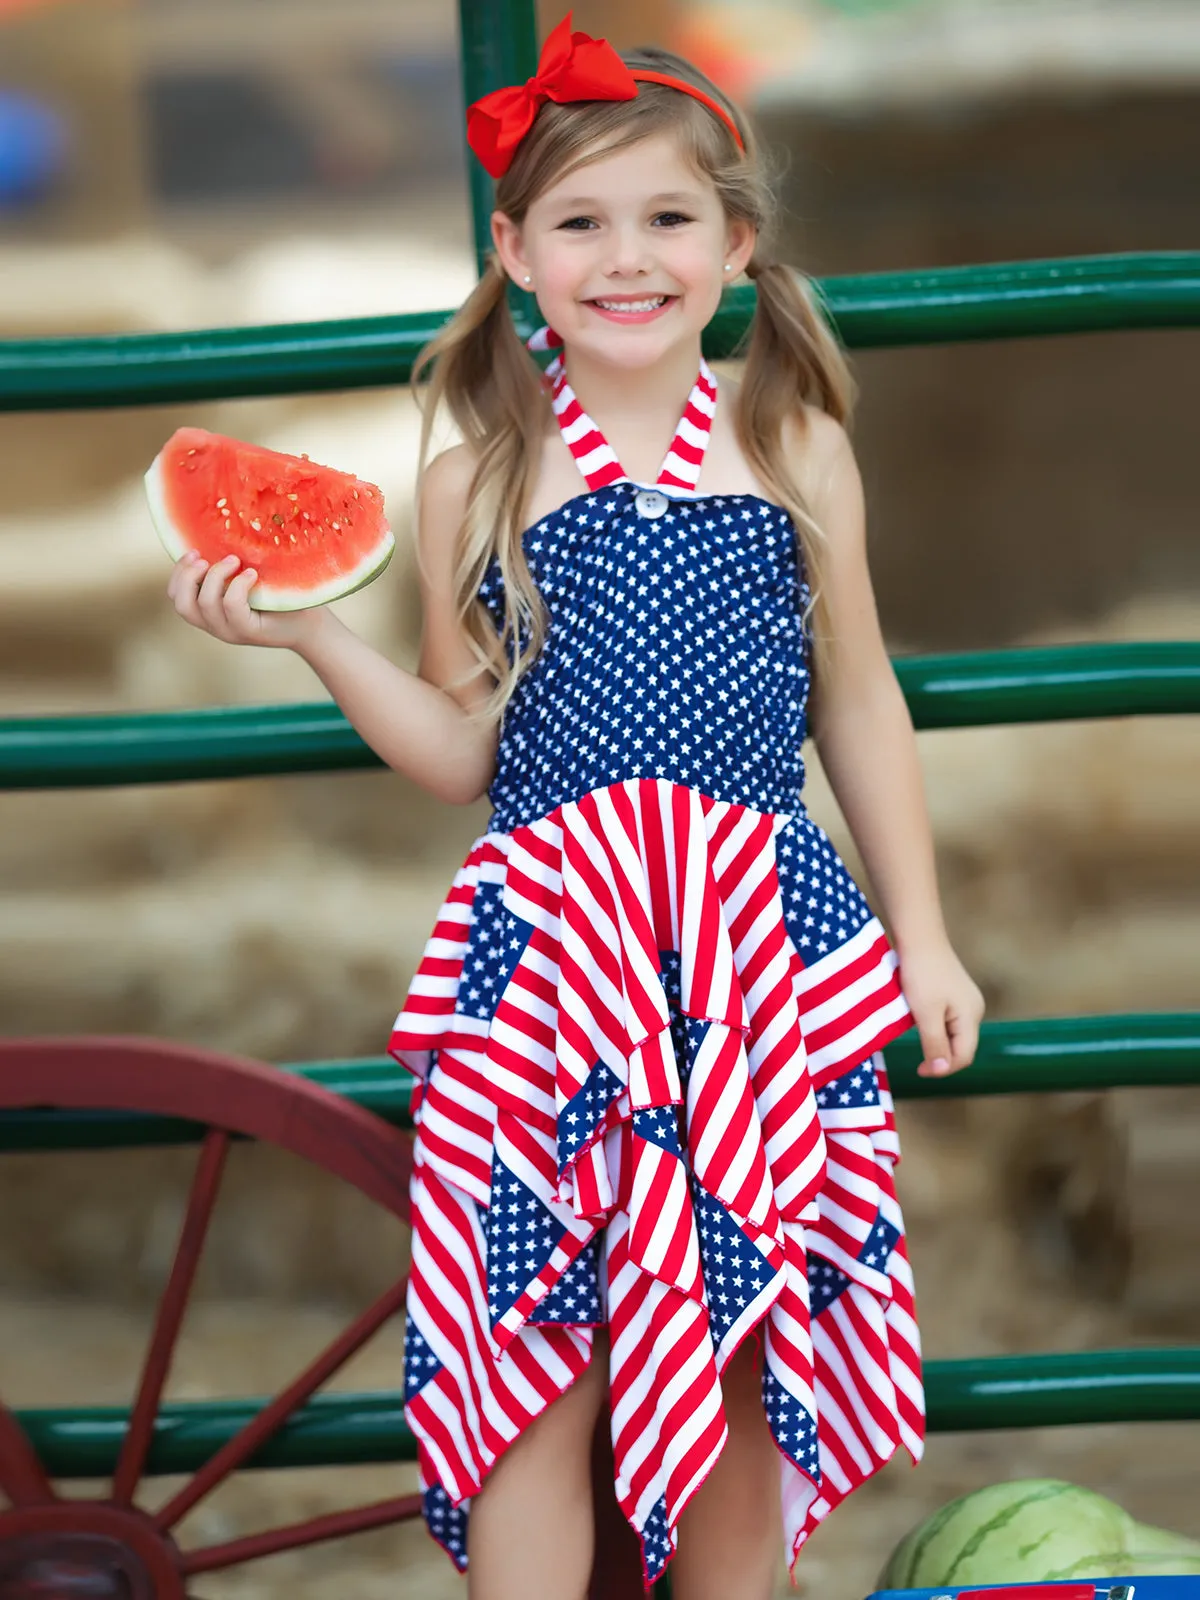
(596, 458)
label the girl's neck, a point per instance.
(648, 398)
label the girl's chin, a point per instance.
(633, 346)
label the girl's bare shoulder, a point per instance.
(821, 458)
(443, 494)
(815, 445)
(448, 476)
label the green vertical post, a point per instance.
(499, 47)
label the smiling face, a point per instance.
(627, 253)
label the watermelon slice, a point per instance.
(313, 534)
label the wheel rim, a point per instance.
(106, 1548)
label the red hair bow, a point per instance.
(572, 66)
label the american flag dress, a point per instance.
(646, 1031)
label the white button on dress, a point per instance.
(650, 503)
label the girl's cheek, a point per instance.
(558, 285)
(697, 266)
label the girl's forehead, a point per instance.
(652, 169)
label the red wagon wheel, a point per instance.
(109, 1547)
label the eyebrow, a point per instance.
(690, 196)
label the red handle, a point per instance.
(1035, 1591)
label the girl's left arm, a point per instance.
(864, 735)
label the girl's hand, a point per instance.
(947, 1008)
(213, 599)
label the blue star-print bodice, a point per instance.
(676, 648)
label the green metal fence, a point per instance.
(1006, 300)
(1020, 299)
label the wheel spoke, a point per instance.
(272, 1417)
(22, 1476)
(205, 1184)
(337, 1525)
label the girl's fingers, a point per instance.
(211, 598)
(183, 588)
(935, 1046)
(216, 599)
(964, 1041)
(180, 573)
(237, 603)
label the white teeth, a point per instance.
(633, 305)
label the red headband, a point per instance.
(573, 66)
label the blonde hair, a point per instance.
(481, 371)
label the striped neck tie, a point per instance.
(593, 454)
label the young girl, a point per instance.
(655, 1147)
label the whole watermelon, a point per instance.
(1034, 1530)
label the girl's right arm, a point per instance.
(411, 721)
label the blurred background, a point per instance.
(171, 164)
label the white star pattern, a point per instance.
(643, 672)
(856, 1090)
(826, 1282)
(581, 1118)
(420, 1363)
(520, 1234)
(497, 939)
(822, 904)
(734, 1271)
(447, 1523)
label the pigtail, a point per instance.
(792, 354)
(791, 357)
(483, 374)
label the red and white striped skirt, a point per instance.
(647, 1031)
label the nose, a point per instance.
(629, 253)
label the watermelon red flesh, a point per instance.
(312, 533)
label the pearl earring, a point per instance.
(528, 279)
(727, 266)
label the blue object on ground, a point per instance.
(1106, 1589)
(33, 148)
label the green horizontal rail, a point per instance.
(1052, 684)
(943, 691)
(353, 1429)
(1048, 1055)
(995, 300)
(331, 1430)
(999, 300)
(1050, 1391)
(174, 746)
(377, 1083)
(1060, 1055)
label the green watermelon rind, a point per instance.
(905, 1559)
(908, 1566)
(1127, 1564)
(1047, 1489)
(955, 1545)
(931, 1551)
(262, 597)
